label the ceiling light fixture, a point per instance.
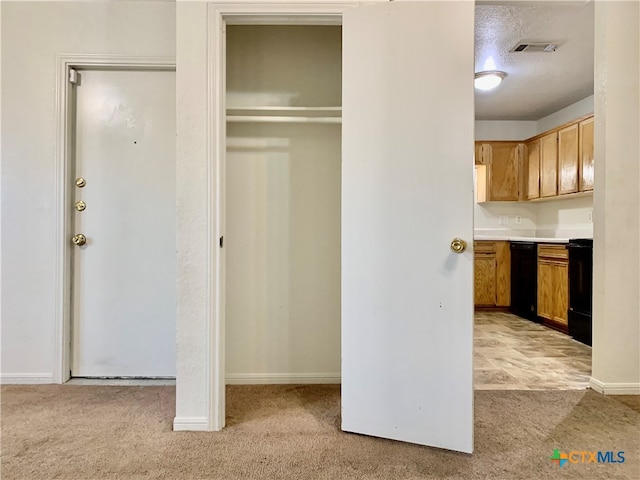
(488, 80)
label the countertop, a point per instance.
(507, 238)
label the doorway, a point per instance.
(399, 275)
(122, 202)
(283, 191)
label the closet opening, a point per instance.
(282, 201)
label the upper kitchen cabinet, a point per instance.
(586, 154)
(555, 163)
(532, 170)
(568, 159)
(549, 165)
(502, 161)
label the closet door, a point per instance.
(407, 192)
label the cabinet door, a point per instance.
(484, 280)
(568, 160)
(533, 170)
(561, 291)
(586, 155)
(503, 274)
(549, 165)
(545, 289)
(504, 163)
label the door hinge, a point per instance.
(73, 76)
(221, 241)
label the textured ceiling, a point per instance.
(537, 84)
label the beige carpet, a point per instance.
(292, 432)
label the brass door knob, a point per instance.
(80, 182)
(79, 240)
(458, 245)
(81, 206)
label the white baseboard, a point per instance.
(191, 424)
(282, 378)
(26, 378)
(614, 388)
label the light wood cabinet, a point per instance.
(553, 285)
(502, 160)
(485, 279)
(586, 155)
(549, 165)
(492, 274)
(503, 274)
(532, 170)
(558, 162)
(568, 159)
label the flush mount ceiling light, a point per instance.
(488, 80)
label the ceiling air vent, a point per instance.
(533, 47)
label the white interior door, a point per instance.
(124, 287)
(407, 191)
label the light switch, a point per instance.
(503, 220)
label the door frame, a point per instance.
(65, 134)
(218, 15)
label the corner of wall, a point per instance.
(567, 114)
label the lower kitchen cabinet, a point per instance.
(553, 285)
(492, 274)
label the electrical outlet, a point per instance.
(503, 220)
(591, 215)
(518, 219)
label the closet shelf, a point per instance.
(277, 114)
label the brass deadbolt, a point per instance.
(80, 182)
(79, 240)
(81, 206)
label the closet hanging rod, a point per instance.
(270, 108)
(281, 119)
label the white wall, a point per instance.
(505, 129)
(567, 114)
(569, 218)
(32, 34)
(488, 218)
(195, 381)
(616, 276)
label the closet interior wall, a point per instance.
(283, 189)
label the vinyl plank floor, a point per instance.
(512, 353)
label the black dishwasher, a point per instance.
(524, 280)
(580, 288)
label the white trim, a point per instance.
(191, 424)
(217, 15)
(216, 93)
(282, 378)
(614, 388)
(26, 378)
(62, 206)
